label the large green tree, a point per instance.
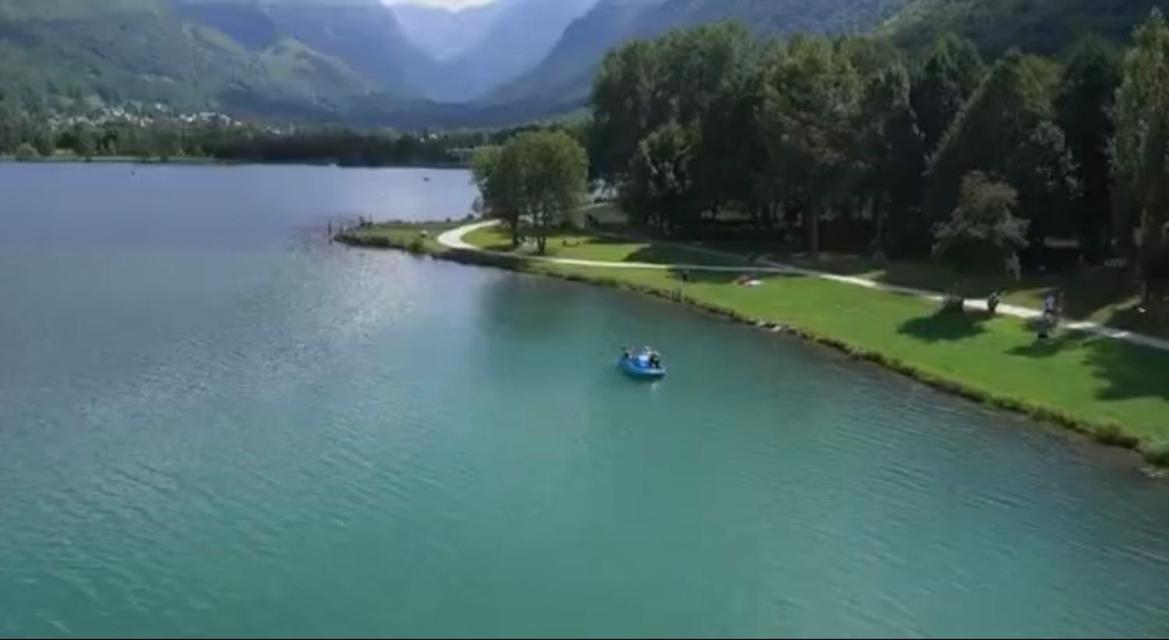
(647, 84)
(809, 105)
(982, 233)
(1084, 112)
(729, 149)
(537, 178)
(660, 189)
(498, 187)
(1007, 131)
(892, 156)
(1141, 144)
(942, 85)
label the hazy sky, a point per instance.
(449, 4)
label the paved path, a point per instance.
(453, 239)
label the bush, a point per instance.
(1112, 435)
(27, 152)
(417, 245)
(1156, 452)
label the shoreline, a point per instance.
(1103, 433)
(215, 162)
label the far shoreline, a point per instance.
(189, 161)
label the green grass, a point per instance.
(577, 245)
(1114, 391)
(1099, 294)
(419, 237)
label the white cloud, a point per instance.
(446, 4)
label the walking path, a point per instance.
(453, 239)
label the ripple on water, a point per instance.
(296, 438)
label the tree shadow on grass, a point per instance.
(1050, 346)
(1130, 371)
(944, 326)
(701, 276)
(666, 254)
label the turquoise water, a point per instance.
(213, 422)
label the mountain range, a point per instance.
(364, 62)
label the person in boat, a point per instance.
(626, 353)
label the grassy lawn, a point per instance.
(1112, 389)
(418, 236)
(1099, 294)
(583, 246)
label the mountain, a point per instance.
(443, 34)
(363, 34)
(1036, 26)
(488, 45)
(565, 76)
(69, 53)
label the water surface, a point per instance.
(213, 422)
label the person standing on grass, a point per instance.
(992, 302)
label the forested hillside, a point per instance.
(1036, 26)
(565, 76)
(69, 54)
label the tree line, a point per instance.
(27, 135)
(845, 144)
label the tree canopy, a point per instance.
(536, 179)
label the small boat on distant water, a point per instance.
(645, 364)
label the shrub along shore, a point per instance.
(1109, 390)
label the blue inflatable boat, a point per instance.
(641, 365)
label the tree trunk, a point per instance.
(541, 220)
(812, 219)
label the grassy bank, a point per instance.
(416, 237)
(1113, 391)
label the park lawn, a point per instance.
(422, 236)
(578, 245)
(1099, 294)
(1104, 387)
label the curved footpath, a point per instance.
(453, 239)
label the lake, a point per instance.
(215, 422)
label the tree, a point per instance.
(26, 152)
(660, 188)
(947, 79)
(646, 84)
(1084, 112)
(626, 106)
(892, 155)
(982, 233)
(728, 148)
(498, 187)
(809, 105)
(553, 178)
(1140, 147)
(537, 177)
(85, 142)
(43, 138)
(1006, 130)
